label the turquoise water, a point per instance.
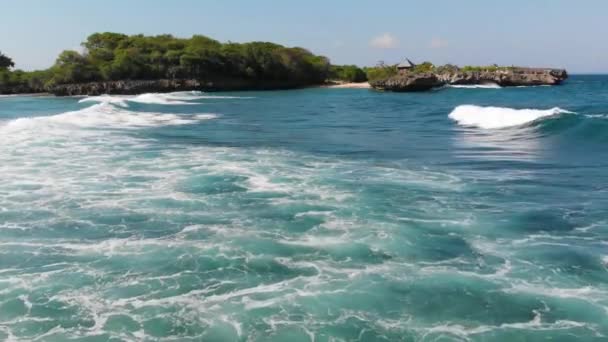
(307, 215)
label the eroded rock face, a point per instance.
(409, 82)
(503, 77)
(132, 87)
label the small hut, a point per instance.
(405, 66)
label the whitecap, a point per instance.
(499, 117)
(475, 86)
(119, 100)
(105, 115)
(175, 98)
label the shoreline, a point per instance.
(26, 94)
(348, 85)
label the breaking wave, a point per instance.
(175, 98)
(475, 86)
(499, 117)
(107, 115)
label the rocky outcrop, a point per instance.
(132, 87)
(409, 82)
(20, 89)
(504, 77)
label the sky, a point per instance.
(544, 33)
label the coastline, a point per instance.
(411, 80)
(26, 94)
(135, 87)
(348, 85)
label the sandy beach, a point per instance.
(352, 85)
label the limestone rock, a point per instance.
(504, 77)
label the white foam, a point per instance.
(499, 117)
(597, 116)
(197, 95)
(153, 98)
(475, 86)
(176, 98)
(105, 115)
(535, 325)
(119, 100)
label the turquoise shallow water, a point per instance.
(307, 215)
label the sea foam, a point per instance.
(475, 86)
(175, 98)
(106, 115)
(499, 117)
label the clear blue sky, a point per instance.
(560, 33)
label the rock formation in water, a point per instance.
(504, 77)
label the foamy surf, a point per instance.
(107, 115)
(475, 86)
(499, 117)
(264, 225)
(175, 98)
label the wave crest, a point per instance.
(107, 115)
(475, 86)
(175, 98)
(499, 117)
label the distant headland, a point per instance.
(115, 63)
(408, 76)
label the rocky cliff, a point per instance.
(132, 87)
(504, 77)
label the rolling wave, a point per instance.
(500, 117)
(106, 115)
(175, 98)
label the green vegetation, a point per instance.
(5, 62)
(347, 73)
(380, 71)
(448, 68)
(24, 81)
(489, 68)
(383, 71)
(423, 68)
(114, 56)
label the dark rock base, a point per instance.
(509, 77)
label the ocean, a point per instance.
(460, 214)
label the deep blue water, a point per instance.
(307, 215)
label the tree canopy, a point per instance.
(348, 73)
(114, 56)
(5, 62)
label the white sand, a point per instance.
(360, 85)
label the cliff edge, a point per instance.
(504, 77)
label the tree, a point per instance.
(424, 67)
(116, 56)
(348, 73)
(72, 67)
(5, 62)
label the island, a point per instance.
(409, 77)
(115, 63)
